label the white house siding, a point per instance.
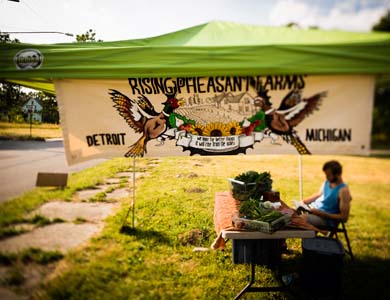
(37, 109)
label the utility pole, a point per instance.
(31, 110)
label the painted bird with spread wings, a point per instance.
(140, 115)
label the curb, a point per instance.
(54, 140)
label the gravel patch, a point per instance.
(118, 194)
(112, 180)
(85, 195)
(69, 211)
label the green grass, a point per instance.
(21, 131)
(37, 220)
(156, 261)
(31, 255)
(15, 262)
(10, 231)
(39, 256)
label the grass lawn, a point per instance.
(156, 261)
(21, 131)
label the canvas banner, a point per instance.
(219, 115)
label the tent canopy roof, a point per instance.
(210, 49)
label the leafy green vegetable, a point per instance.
(255, 184)
(251, 210)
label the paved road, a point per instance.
(20, 162)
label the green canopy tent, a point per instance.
(211, 49)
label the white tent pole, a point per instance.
(132, 207)
(133, 204)
(300, 177)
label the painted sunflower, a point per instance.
(216, 129)
(234, 128)
(197, 129)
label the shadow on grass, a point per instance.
(366, 278)
(152, 235)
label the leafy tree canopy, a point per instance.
(4, 38)
(89, 36)
(383, 24)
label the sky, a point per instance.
(131, 19)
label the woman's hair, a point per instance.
(334, 166)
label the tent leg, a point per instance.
(133, 204)
(132, 207)
(300, 177)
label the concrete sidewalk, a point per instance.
(81, 219)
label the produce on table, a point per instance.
(255, 213)
(253, 185)
(251, 209)
(267, 204)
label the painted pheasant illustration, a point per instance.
(143, 118)
(292, 110)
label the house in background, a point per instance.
(33, 107)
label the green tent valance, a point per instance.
(211, 49)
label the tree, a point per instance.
(383, 24)
(293, 25)
(89, 36)
(50, 108)
(11, 97)
(11, 102)
(4, 38)
(381, 117)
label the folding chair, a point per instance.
(341, 228)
